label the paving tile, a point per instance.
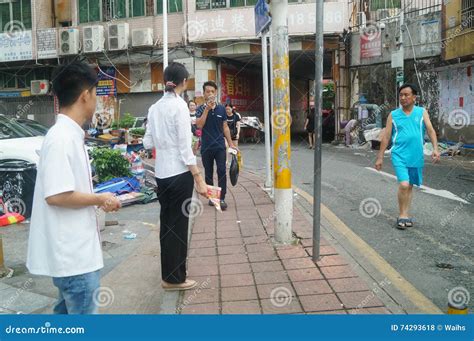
(239, 294)
(203, 270)
(315, 287)
(323, 251)
(256, 239)
(330, 312)
(230, 241)
(204, 236)
(201, 309)
(252, 232)
(360, 299)
(207, 251)
(262, 247)
(241, 307)
(271, 277)
(262, 256)
(233, 259)
(267, 266)
(332, 261)
(233, 269)
(274, 290)
(298, 263)
(300, 275)
(379, 310)
(332, 272)
(282, 305)
(323, 302)
(197, 244)
(228, 234)
(198, 295)
(348, 284)
(294, 252)
(230, 249)
(239, 280)
(208, 260)
(208, 282)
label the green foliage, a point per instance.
(138, 132)
(127, 121)
(109, 164)
(114, 125)
(328, 96)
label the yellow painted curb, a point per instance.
(413, 294)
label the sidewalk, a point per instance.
(241, 271)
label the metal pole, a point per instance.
(318, 106)
(271, 106)
(281, 120)
(165, 34)
(266, 112)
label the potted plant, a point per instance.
(109, 164)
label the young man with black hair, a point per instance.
(406, 128)
(64, 241)
(211, 117)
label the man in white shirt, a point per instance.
(64, 241)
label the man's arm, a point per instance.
(384, 143)
(432, 135)
(107, 201)
(201, 118)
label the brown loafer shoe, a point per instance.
(188, 284)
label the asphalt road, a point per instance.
(366, 202)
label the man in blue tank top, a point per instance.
(406, 128)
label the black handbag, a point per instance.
(234, 170)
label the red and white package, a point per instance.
(214, 194)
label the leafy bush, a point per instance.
(109, 164)
(138, 131)
(125, 122)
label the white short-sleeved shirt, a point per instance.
(168, 130)
(63, 241)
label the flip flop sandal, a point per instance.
(409, 222)
(402, 223)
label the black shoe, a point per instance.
(223, 205)
(211, 203)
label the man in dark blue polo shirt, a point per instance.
(212, 119)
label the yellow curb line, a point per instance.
(405, 287)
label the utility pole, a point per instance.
(281, 120)
(401, 71)
(266, 112)
(165, 34)
(318, 110)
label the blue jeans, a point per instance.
(76, 293)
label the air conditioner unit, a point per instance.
(68, 41)
(383, 14)
(361, 19)
(93, 38)
(119, 35)
(39, 87)
(142, 37)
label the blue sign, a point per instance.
(106, 85)
(262, 17)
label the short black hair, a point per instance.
(413, 88)
(70, 80)
(175, 73)
(209, 83)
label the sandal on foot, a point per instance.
(409, 222)
(402, 223)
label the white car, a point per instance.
(18, 142)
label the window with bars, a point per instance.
(89, 11)
(174, 6)
(384, 4)
(467, 14)
(21, 79)
(242, 3)
(19, 10)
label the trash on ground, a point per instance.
(130, 236)
(111, 223)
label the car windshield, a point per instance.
(35, 127)
(9, 129)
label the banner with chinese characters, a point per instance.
(370, 45)
(16, 46)
(242, 88)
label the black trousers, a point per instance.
(208, 158)
(175, 194)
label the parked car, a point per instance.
(34, 126)
(18, 142)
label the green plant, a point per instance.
(138, 132)
(114, 125)
(127, 121)
(109, 164)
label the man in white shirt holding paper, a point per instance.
(64, 241)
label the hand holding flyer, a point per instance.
(214, 194)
